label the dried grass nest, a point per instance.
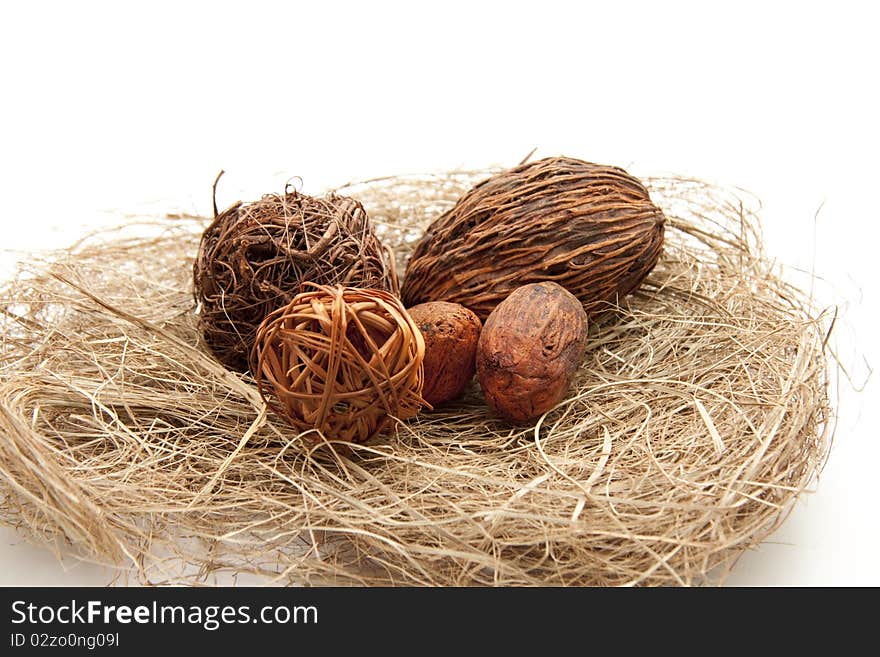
(699, 416)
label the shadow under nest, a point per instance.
(699, 415)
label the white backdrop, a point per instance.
(110, 107)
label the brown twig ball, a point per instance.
(255, 257)
(344, 361)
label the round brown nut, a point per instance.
(530, 349)
(451, 332)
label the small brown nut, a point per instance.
(530, 349)
(451, 332)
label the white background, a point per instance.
(118, 106)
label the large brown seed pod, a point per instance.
(342, 361)
(592, 229)
(530, 349)
(255, 257)
(451, 332)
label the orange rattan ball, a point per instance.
(343, 361)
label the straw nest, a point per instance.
(699, 415)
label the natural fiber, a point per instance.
(700, 415)
(588, 227)
(340, 364)
(255, 257)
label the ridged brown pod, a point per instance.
(530, 349)
(451, 332)
(592, 229)
(255, 257)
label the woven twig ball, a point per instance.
(255, 257)
(344, 361)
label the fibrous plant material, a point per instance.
(340, 364)
(255, 257)
(700, 414)
(530, 350)
(592, 229)
(451, 332)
